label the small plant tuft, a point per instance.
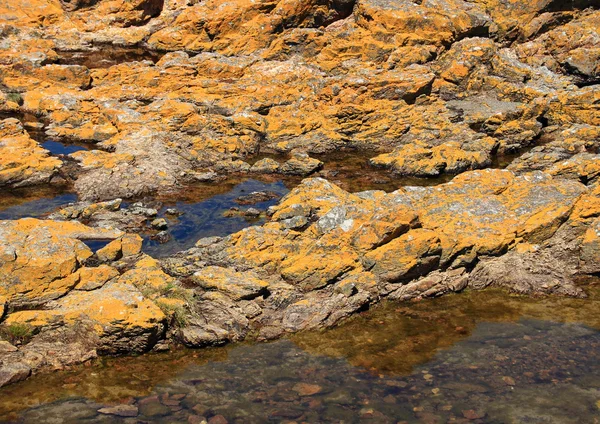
(17, 333)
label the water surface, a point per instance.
(483, 357)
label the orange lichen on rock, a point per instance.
(23, 161)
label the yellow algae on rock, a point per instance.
(23, 161)
(123, 319)
(94, 278)
(148, 276)
(39, 259)
(408, 256)
(238, 285)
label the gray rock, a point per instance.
(120, 411)
(13, 372)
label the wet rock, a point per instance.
(252, 212)
(153, 408)
(86, 210)
(217, 419)
(162, 237)
(257, 197)
(120, 411)
(173, 212)
(306, 389)
(13, 373)
(301, 164)
(160, 224)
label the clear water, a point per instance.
(205, 218)
(17, 205)
(58, 148)
(482, 357)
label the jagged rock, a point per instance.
(122, 318)
(238, 285)
(301, 164)
(120, 411)
(39, 259)
(23, 161)
(12, 373)
(590, 249)
(525, 273)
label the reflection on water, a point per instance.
(205, 217)
(58, 148)
(482, 357)
(33, 203)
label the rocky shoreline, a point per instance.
(199, 92)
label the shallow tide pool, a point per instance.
(483, 357)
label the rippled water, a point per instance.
(482, 357)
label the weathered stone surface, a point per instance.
(428, 88)
(120, 411)
(122, 318)
(23, 161)
(13, 373)
(238, 285)
(590, 248)
(39, 259)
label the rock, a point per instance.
(265, 166)
(13, 373)
(306, 389)
(121, 318)
(111, 252)
(590, 249)
(471, 414)
(3, 307)
(252, 212)
(257, 197)
(86, 210)
(413, 254)
(94, 278)
(153, 409)
(160, 224)
(301, 164)
(23, 161)
(40, 258)
(238, 285)
(162, 237)
(120, 411)
(217, 419)
(174, 212)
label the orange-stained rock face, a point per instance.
(121, 317)
(39, 259)
(166, 93)
(23, 161)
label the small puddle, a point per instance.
(201, 216)
(58, 148)
(106, 56)
(487, 357)
(96, 245)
